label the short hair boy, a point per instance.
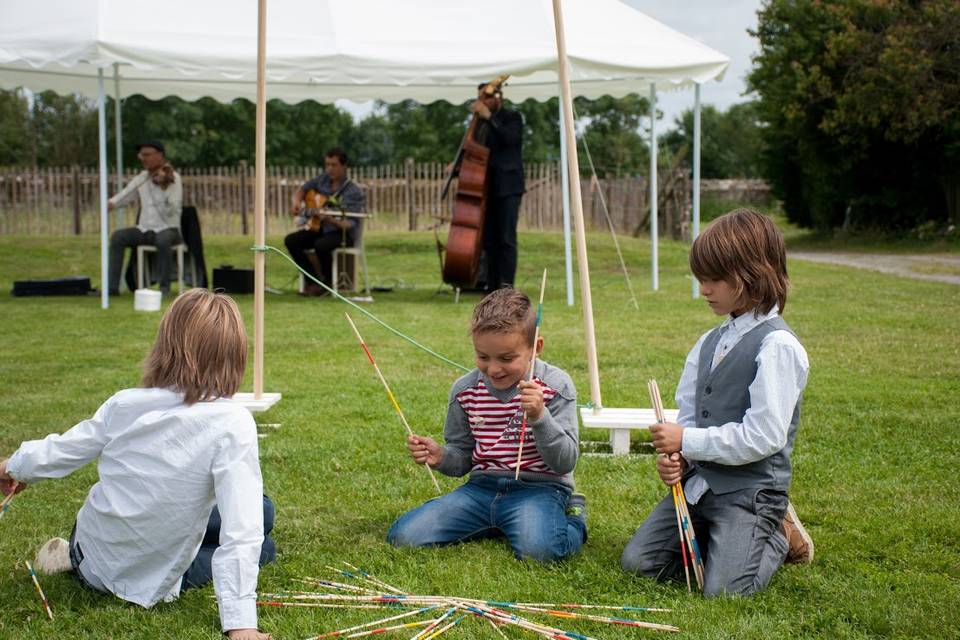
(485, 415)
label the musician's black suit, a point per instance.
(504, 137)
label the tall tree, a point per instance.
(862, 104)
(612, 130)
(15, 146)
(730, 144)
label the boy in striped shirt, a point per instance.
(539, 514)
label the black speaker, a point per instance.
(231, 280)
(73, 286)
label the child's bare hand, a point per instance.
(247, 634)
(7, 484)
(667, 437)
(531, 399)
(670, 468)
(424, 450)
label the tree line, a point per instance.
(856, 124)
(54, 130)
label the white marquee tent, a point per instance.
(326, 50)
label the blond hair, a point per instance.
(746, 250)
(201, 348)
(505, 311)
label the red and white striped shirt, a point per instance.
(495, 427)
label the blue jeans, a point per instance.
(531, 515)
(200, 571)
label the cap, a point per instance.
(156, 144)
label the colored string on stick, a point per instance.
(393, 400)
(336, 294)
(36, 583)
(533, 361)
(689, 549)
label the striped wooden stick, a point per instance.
(533, 361)
(8, 499)
(36, 583)
(406, 614)
(393, 400)
(684, 522)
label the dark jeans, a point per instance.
(738, 534)
(500, 240)
(323, 243)
(200, 571)
(133, 237)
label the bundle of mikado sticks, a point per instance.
(442, 612)
(689, 549)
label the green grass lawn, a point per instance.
(875, 462)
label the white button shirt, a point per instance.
(163, 466)
(159, 208)
(782, 368)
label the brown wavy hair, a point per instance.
(745, 249)
(201, 348)
(505, 311)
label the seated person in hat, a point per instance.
(160, 190)
(339, 193)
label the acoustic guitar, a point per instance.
(313, 210)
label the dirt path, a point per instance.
(937, 267)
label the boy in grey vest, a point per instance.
(739, 406)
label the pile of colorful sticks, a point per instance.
(689, 549)
(442, 612)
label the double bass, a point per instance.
(465, 239)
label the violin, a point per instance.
(465, 238)
(162, 176)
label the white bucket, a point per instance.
(146, 300)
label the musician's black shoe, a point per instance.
(312, 290)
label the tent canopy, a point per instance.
(325, 50)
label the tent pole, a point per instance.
(654, 269)
(104, 223)
(118, 135)
(260, 200)
(577, 210)
(696, 176)
(565, 197)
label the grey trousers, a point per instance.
(133, 237)
(738, 534)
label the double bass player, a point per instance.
(504, 138)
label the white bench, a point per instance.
(254, 404)
(620, 422)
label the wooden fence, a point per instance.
(65, 201)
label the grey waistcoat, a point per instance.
(723, 396)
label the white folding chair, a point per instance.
(181, 249)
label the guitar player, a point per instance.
(320, 231)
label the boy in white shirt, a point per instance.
(739, 407)
(170, 454)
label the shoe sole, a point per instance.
(792, 514)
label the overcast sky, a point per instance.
(720, 24)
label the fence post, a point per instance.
(411, 207)
(243, 197)
(76, 200)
